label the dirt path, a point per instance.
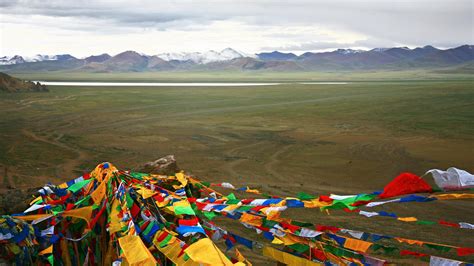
(70, 165)
(273, 161)
(27, 103)
(230, 167)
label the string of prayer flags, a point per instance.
(119, 217)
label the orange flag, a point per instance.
(47, 250)
(357, 245)
(407, 219)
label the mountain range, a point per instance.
(229, 59)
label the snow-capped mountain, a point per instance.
(17, 59)
(381, 50)
(40, 57)
(11, 60)
(349, 51)
(205, 57)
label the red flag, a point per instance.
(162, 236)
(412, 253)
(405, 183)
(325, 198)
(465, 251)
(290, 227)
(449, 224)
(318, 254)
(189, 222)
(135, 210)
(327, 228)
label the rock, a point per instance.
(17, 201)
(163, 166)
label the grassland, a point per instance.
(218, 76)
(281, 139)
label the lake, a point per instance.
(175, 84)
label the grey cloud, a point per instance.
(322, 45)
(415, 22)
(308, 46)
(122, 12)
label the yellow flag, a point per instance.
(115, 222)
(173, 251)
(249, 190)
(277, 241)
(146, 193)
(136, 253)
(35, 200)
(230, 208)
(205, 252)
(99, 193)
(287, 258)
(251, 219)
(454, 196)
(290, 239)
(315, 203)
(241, 258)
(82, 213)
(182, 179)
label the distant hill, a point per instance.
(276, 56)
(390, 58)
(97, 58)
(11, 84)
(395, 58)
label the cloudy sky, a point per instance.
(82, 27)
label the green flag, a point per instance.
(79, 185)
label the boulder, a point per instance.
(164, 166)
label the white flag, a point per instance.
(452, 178)
(35, 207)
(305, 232)
(353, 233)
(466, 225)
(48, 231)
(368, 214)
(377, 203)
(227, 185)
(339, 197)
(437, 261)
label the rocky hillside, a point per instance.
(11, 84)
